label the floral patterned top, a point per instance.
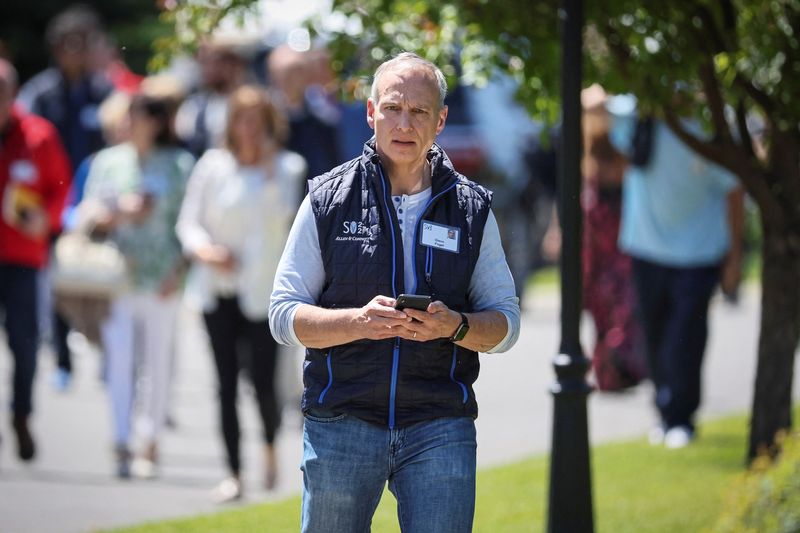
(151, 247)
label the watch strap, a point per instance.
(461, 330)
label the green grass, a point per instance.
(637, 488)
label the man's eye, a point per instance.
(420, 111)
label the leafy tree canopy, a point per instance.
(744, 53)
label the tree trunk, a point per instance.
(780, 332)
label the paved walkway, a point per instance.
(70, 487)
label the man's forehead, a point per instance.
(408, 81)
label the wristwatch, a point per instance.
(461, 330)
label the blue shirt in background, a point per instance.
(674, 209)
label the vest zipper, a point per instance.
(396, 349)
(330, 377)
(464, 393)
(428, 266)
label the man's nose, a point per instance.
(405, 120)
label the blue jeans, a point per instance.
(430, 467)
(18, 301)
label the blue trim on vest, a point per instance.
(453, 377)
(330, 378)
(416, 230)
(396, 349)
(393, 386)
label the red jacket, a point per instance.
(34, 169)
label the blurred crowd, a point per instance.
(125, 196)
(195, 185)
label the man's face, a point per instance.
(406, 116)
(73, 53)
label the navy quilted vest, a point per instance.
(393, 382)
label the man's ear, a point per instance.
(442, 119)
(371, 113)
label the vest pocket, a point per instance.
(330, 377)
(464, 393)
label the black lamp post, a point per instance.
(570, 498)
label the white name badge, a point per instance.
(440, 237)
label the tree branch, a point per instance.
(731, 158)
(783, 163)
(715, 102)
(759, 97)
(619, 50)
(744, 132)
(712, 30)
(707, 149)
(706, 72)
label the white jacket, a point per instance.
(247, 209)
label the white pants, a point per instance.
(138, 338)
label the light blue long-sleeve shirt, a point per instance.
(301, 273)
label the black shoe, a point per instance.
(26, 448)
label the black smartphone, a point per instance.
(413, 301)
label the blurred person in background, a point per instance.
(106, 60)
(115, 124)
(85, 313)
(233, 223)
(618, 358)
(202, 118)
(133, 192)
(69, 94)
(298, 81)
(682, 220)
(34, 179)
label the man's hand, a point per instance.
(731, 275)
(486, 328)
(317, 327)
(437, 322)
(380, 320)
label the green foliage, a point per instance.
(192, 23)
(767, 498)
(472, 40)
(654, 49)
(749, 48)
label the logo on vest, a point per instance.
(354, 231)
